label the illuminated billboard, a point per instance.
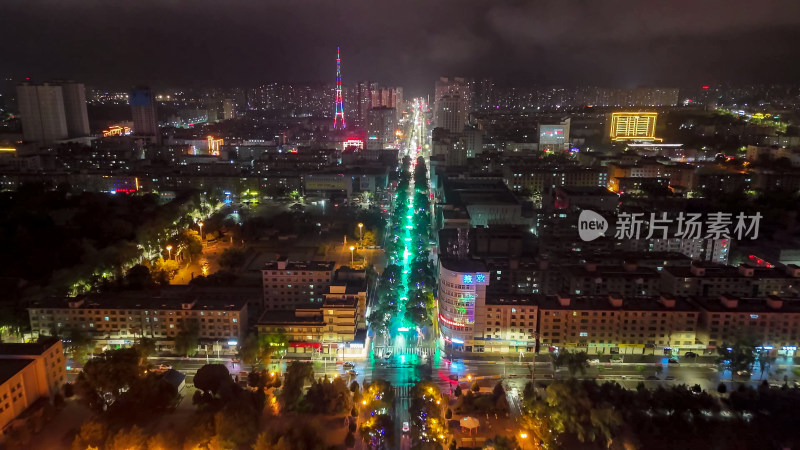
(633, 126)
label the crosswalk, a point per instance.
(419, 351)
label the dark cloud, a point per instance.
(411, 42)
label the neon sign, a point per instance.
(467, 279)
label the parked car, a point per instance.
(594, 361)
(690, 355)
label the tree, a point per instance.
(92, 434)
(237, 423)
(213, 378)
(133, 438)
(297, 374)
(369, 239)
(80, 345)
(722, 388)
(105, 377)
(145, 348)
(476, 387)
(350, 440)
(164, 440)
(457, 392)
(187, 339)
(577, 362)
(738, 356)
(139, 277)
(449, 414)
(290, 435)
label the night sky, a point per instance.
(410, 42)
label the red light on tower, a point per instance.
(706, 87)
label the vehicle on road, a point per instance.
(406, 427)
(652, 378)
(162, 368)
(348, 365)
(594, 361)
(743, 373)
(690, 355)
(673, 361)
(352, 373)
(387, 355)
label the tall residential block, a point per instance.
(42, 111)
(143, 110)
(75, 108)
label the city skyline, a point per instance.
(410, 45)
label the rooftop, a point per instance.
(166, 299)
(601, 302)
(611, 271)
(713, 270)
(754, 305)
(33, 348)
(10, 367)
(290, 317)
(462, 265)
(303, 265)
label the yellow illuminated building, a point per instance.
(634, 126)
(214, 145)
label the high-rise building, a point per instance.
(381, 128)
(228, 109)
(75, 109)
(451, 103)
(143, 109)
(42, 111)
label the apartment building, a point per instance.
(773, 322)
(616, 324)
(627, 279)
(291, 284)
(118, 318)
(30, 376)
(506, 324)
(330, 328)
(704, 279)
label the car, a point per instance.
(162, 368)
(743, 373)
(348, 365)
(690, 355)
(673, 361)
(594, 361)
(652, 378)
(387, 355)
(352, 373)
(406, 427)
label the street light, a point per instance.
(361, 234)
(523, 436)
(169, 252)
(352, 255)
(200, 224)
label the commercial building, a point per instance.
(228, 109)
(42, 112)
(771, 321)
(704, 279)
(554, 138)
(618, 324)
(118, 319)
(330, 328)
(291, 284)
(488, 202)
(507, 324)
(28, 373)
(462, 292)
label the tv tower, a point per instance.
(339, 107)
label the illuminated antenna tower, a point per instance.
(339, 107)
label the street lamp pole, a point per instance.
(361, 234)
(352, 255)
(200, 224)
(169, 252)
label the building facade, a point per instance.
(42, 111)
(291, 284)
(29, 372)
